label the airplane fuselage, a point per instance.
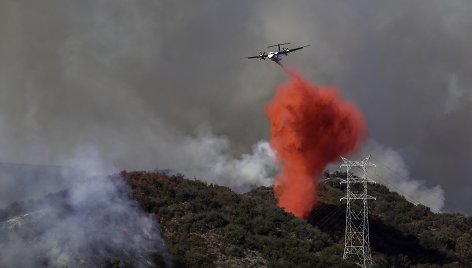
(274, 56)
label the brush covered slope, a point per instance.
(211, 226)
(206, 225)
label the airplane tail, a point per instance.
(278, 45)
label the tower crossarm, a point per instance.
(357, 197)
(363, 163)
(357, 180)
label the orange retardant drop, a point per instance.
(310, 128)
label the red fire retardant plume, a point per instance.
(310, 127)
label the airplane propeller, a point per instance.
(262, 55)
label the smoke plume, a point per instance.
(92, 223)
(392, 171)
(208, 159)
(310, 127)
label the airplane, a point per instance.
(276, 56)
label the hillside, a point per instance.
(205, 225)
(211, 226)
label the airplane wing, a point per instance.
(297, 48)
(261, 56)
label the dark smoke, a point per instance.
(135, 79)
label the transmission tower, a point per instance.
(356, 240)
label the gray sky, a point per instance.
(141, 80)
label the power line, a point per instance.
(329, 218)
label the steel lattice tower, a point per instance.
(357, 211)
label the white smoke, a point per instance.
(207, 157)
(94, 219)
(456, 95)
(392, 171)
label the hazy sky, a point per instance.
(141, 80)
